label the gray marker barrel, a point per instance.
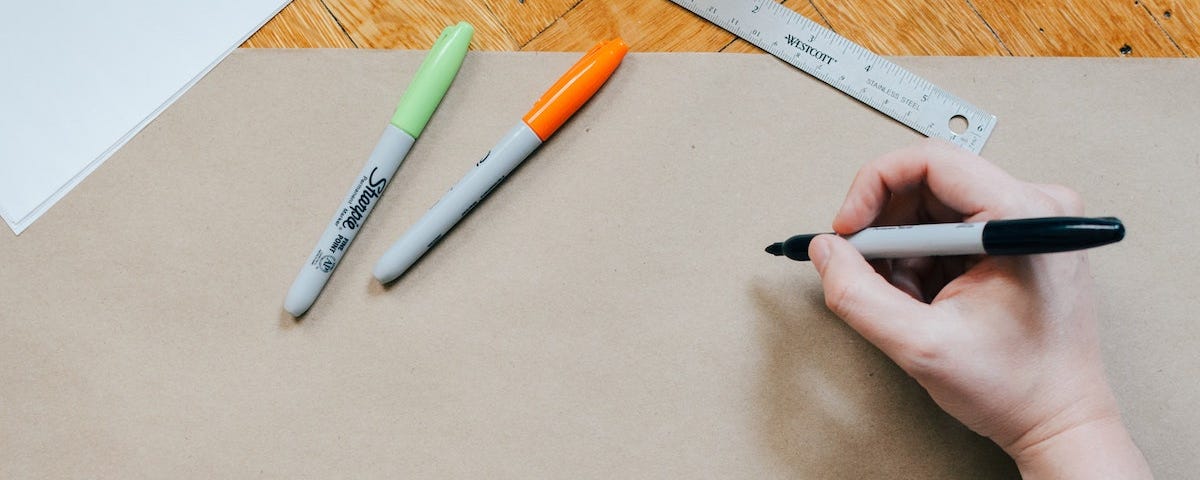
(920, 240)
(364, 194)
(458, 202)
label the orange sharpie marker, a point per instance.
(557, 105)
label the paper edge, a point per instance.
(19, 225)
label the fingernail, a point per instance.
(818, 251)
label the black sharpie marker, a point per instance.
(997, 237)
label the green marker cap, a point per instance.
(433, 79)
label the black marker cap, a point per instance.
(1050, 235)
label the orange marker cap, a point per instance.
(575, 87)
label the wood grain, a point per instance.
(888, 27)
(1088, 28)
(525, 19)
(931, 27)
(301, 24)
(1180, 20)
(416, 25)
(657, 26)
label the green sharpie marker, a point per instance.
(415, 109)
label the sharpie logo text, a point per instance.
(359, 208)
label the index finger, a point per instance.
(961, 180)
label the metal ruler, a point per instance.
(858, 72)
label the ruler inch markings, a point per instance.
(856, 71)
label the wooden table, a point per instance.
(1097, 28)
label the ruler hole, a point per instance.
(958, 124)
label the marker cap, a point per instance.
(433, 79)
(575, 87)
(1050, 234)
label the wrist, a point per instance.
(1100, 448)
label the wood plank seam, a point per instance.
(547, 27)
(338, 21)
(503, 24)
(989, 27)
(820, 14)
(1162, 28)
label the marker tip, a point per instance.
(775, 249)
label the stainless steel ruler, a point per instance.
(858, 72)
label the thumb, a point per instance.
(881, 313)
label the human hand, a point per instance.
(1007, 345)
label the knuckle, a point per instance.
(1049, 206)
(923, 355)
(1070, 200)
(843, 298)
(1020, 202)
(867, 172)
(1059, 200)
(1042, 200)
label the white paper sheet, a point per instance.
(79, 79)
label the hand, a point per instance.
(1007, 345)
